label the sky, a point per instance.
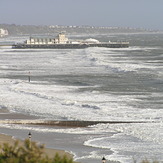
(147, 14)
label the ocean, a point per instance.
(93, 84)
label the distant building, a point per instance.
(60, 39)
(3, 32)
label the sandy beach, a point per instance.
(6, 116)
(50, 152)
(61, 143)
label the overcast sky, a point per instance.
(113, 13)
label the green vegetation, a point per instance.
(30, 152)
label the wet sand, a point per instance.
(18, 118)
(55, 142)
(6, 116)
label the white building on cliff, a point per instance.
(3, 32)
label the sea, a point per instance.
(92, 84)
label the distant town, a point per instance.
(12, 30)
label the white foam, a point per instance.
(65, 101)
(126, 147)
(112, 59)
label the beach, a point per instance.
(10, 139)
(49, 152)
(70, 145)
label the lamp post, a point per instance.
(30, 136)
(103, 160)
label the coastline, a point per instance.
(50, 152)
(18, 118)
(6, 116)
(67, 144)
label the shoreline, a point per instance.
(7, 117)
(63, 144)
(50, 152)
(60, 141)
(18, 118)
